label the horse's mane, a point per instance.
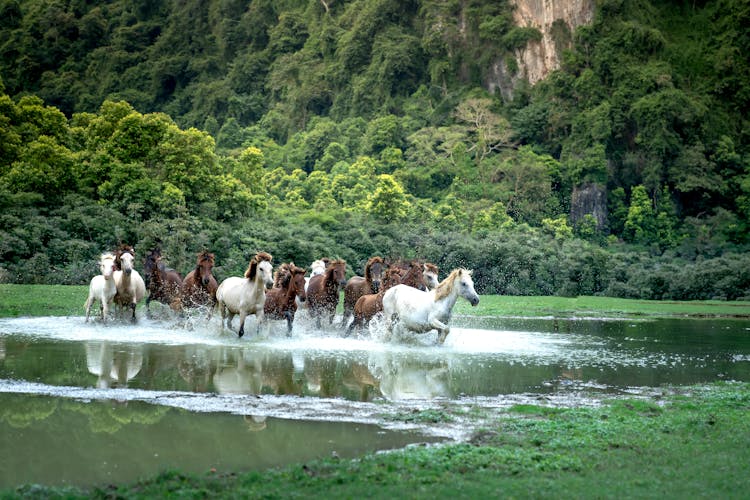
(430, 267)
(370, 263)
(205, 255)
(257, 259)
(123, 248)
(444, 287)
(283, 275)
(106, 256)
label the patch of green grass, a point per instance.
(422, 417)
(504, 305)
(63, 300)
(42, 300)
(690, 446)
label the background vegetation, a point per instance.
(355, 128)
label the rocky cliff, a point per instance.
(556, 20)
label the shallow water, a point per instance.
(195, 375)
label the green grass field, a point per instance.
(62, 300)
(692, 445)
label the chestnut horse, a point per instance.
(323, 291)
(413, 274)
(358, 286)
(162, 284)
(199, 287)
(369, 305)
(430, 274)
(281, 300)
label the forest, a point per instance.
(353, 128)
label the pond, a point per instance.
(84, 403)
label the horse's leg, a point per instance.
(259, 318)
(442, 328)
(132, 306)
(241, 331)
(89, 302)
(289, 318)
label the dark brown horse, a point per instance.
(199, 286)
(413, 273)
(358, 286)
(281, 300)
(369, 305)
(323, 291)
(163, 284)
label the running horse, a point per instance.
(246, 295)
(369, 305)
(412, 274)
(358, 286)
(163, 284)
(281, 300)
(323, 291)
(418, 311)
(199, 287)
(130, 285)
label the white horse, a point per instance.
(130, 285)
(102, 287)
(316, 268)
(246, 295)
(420, 312)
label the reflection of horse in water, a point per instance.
(113, 367)
(248, 371)
(419, 312)
(401, 376)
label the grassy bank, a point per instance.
(60, 300)
(694, 444)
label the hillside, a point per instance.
(343, 122)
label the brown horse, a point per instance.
(413, 274)
(323, 291)
(281, 300)
(199, 286)
(430, 274)
(358, 286)
(162, 284)
(369, 305)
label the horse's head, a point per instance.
(107, 265)
(127, 260)
(392, 278)
(374, 272)
(337, 272)
(430, 275)
(297, 282)
(466, 286)
(204, 266)
(318, 267)
(261, 264)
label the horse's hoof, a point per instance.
(240, 333)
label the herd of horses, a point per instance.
(407, 294)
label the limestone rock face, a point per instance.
(556, 20)
(589, 199)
